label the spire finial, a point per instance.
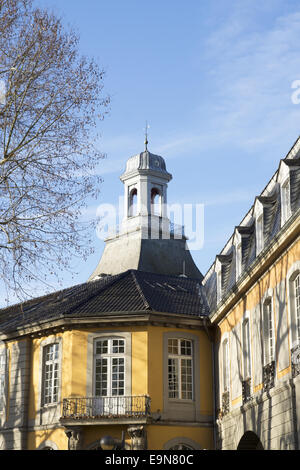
(146, 136)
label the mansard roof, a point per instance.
(270, 199)
(131, 291)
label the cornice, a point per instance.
(264, 260)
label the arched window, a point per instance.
(155, 202)
(133, 203)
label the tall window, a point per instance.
(51, 374)
(296, 285)
(269, 338)
(285, 205)
(2, 378)
(133, 203)
(110, 367)
(225, 356)
(180, 369)
(246, 349)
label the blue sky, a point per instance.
(213, 79)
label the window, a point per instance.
(259, 235)
(180, 369)
(269, 343)
(225, 356)
(133, 203)
(110, 367)
(246, 349)
(297, 306)
(50, 374)
(155, 202)
(2, 378)
(285, 201)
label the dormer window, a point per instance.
(219, 285)
(238, 261)
(285, 201)
(259, 235)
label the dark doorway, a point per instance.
(250, 441)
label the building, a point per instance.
(254, 298)
(127, 353)
(153, 353)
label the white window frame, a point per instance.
(268, 327)
(292, 275)
(51, 366)
(225, 365)
(110, 356)
(246, 347)
(184, 389)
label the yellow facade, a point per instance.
(146, 379)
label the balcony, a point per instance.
(225, 402)
(246, 390)
(97, 410)
(295, 355)
(269, 376)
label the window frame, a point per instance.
(225, 365)
(246, 343)
(292, 274)
(110, 356)
(90, 373)
(52, 363)
(182, 409)
(269, 341)
(179, 359)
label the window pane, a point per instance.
(102, 347)
(173, 346)
(186, 379)
(186, 348)
(51, 374)
(173, 378)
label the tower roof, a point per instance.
(146, 161)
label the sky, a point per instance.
(214, 79)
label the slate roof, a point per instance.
(131, 291)
(271, 227)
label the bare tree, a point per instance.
(51, 102)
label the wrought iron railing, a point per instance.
(246, 390)
(135, 406)
(225, 402)
(295, 355)
(269, 376)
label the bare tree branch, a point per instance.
(53, 102)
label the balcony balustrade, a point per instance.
(115, 407)
(269, 376)
(246, 390)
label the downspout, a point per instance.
(213, 381)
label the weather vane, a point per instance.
(146, 136)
